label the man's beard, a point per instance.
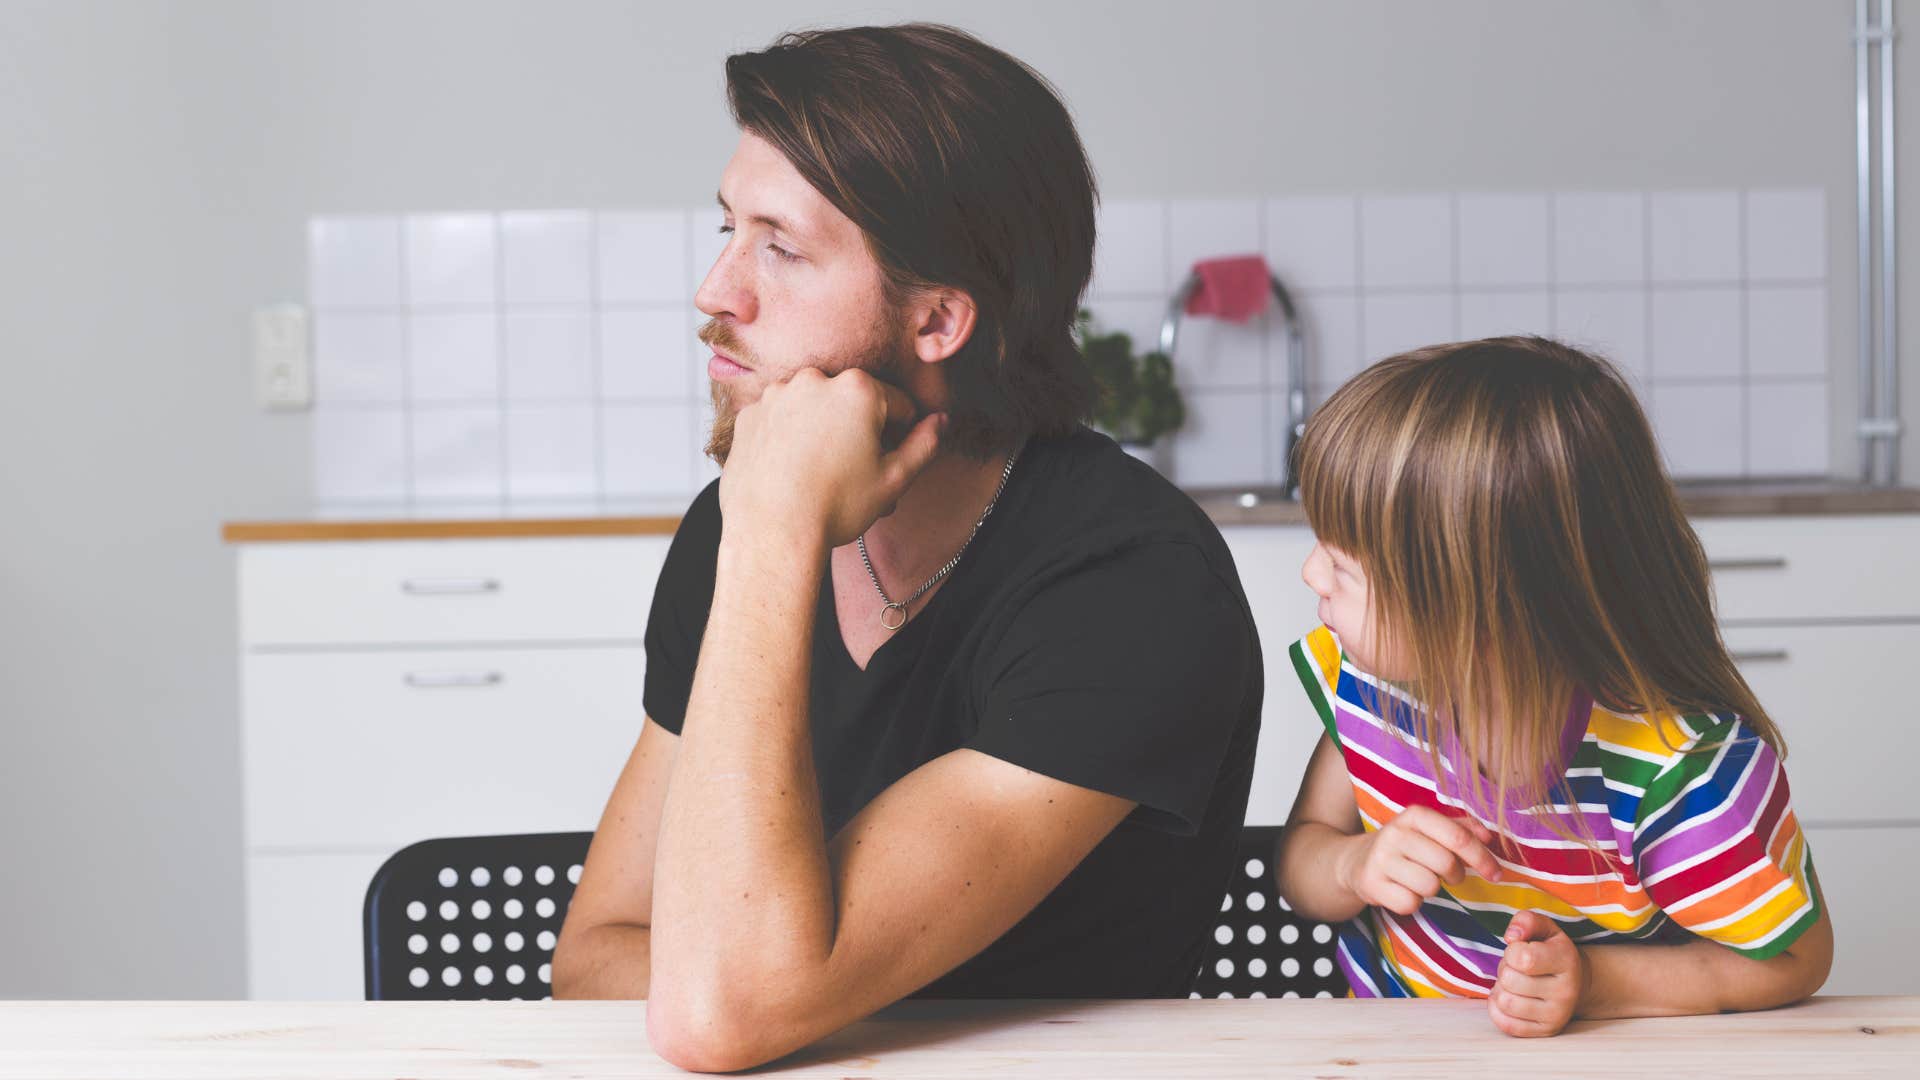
(885, 359)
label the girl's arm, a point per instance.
(1330, 870)
(1325, 821)
(1703, 976)
(1545, 980)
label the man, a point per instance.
(945, 693)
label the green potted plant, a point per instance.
(1138, 402)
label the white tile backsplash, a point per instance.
(1130, 250)
(451, 259)
(359, 356)
(568, 335)
(353, 262)
(1392, 323)
(1216, 354)
(1787, 235)
(1599, 238)
(1695, 333)
(1219, 446)
(1313, 241)
(1611, 322)
(1700, 428)
(1199, 229)
(458, 453)
(1490, 313)
(644, 257)
(359, 454)
(1139, 319)
(646, 449)
(547, 258)
(1406, 241)
(552, 451)
(649, 353)
(1503, 239)
(708, 243)
(549, 355)
(1333, 339)
(1695, 236)
(453, 356)
(1787, 428)
(1787, 330)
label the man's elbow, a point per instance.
(569, 976)
(710, 1033)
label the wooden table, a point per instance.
(1113, 1040)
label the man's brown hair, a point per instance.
(962, 167)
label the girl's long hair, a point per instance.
(1523, 546)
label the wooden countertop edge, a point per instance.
(268, 532)
(1223, 508)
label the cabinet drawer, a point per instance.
(1869, 877)
(384, 748)
(1268, 559)
(440, 591)
(1833, 692)
(1813, 567)
(303, 925)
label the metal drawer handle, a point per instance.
(440, 680)
(1769, 563)
(449, 586)
(1758, 656)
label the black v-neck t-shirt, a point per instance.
(1096, 632)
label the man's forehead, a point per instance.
(760, 184)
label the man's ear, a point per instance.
(943, 321)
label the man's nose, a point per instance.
(727, 289)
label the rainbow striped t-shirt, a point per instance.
(1701, 843)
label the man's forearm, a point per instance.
(610, 962)
(742, 888)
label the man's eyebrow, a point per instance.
(778, 224)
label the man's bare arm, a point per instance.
(606, 943)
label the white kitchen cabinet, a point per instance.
(1852, 740)
(1870, 875)
(435, 742)
(1268, 558)
(1800, 567)
(303, 923)
(399, 690)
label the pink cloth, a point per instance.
(1234, 287)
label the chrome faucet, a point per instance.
(1296, 372)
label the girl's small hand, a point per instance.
(1400, 865)
(1541, 981)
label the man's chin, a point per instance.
(720, 432)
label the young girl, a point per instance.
(1543, 782)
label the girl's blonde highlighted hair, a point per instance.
(1523, 546)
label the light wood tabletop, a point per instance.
(1112, 1040)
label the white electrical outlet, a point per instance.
(282, 358)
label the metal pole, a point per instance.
(1888, 391)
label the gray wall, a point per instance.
(157, 162)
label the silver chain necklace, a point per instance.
(893, 615)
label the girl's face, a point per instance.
(1346, 609)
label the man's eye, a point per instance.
(783, 253)
(725, 229)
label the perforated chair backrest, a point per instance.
(475, 917)
(1260, 947)
(469, 918)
